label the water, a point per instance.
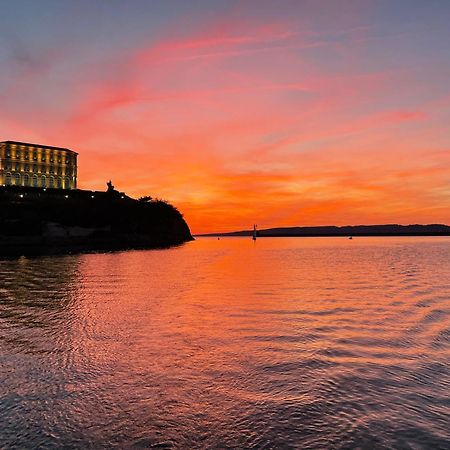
(282, 343)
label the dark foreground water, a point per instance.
(283, 343)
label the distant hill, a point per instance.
(356, 230)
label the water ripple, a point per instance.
(286, 343)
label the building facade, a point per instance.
(40, 166)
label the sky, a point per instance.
(279, 113)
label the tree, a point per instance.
(145, 199)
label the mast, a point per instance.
(254, 232)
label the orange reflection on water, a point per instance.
(232, 342)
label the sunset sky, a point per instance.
(278, 113)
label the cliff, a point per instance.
(58, 221)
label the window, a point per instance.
(35, 181)
(43, 181)
(51, 182)
(17, 166)
(26, 180)
(51, 157)
(17, 154)
(59, 159)
(43, 158)
(35, 168)
(27, 156)
(59, 181)
(27, 167)
(67, 159)
(34, 156)
(17, 179)
(67, 182)
(51, 169)
(8, 179)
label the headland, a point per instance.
(50, 221)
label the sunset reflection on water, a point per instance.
(278, 343)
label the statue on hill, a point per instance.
(110, 186)
(112, 192)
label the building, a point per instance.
(40, 166)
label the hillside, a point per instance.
(56, 220)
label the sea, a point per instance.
(281, 343)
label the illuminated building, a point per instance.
(40, 166)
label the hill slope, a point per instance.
(55, 220)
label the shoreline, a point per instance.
(69, 247)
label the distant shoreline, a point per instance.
(345, 231)
(321, 236)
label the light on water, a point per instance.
(279, 343)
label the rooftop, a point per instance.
(38, 145)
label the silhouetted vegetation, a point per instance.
(146, 198)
